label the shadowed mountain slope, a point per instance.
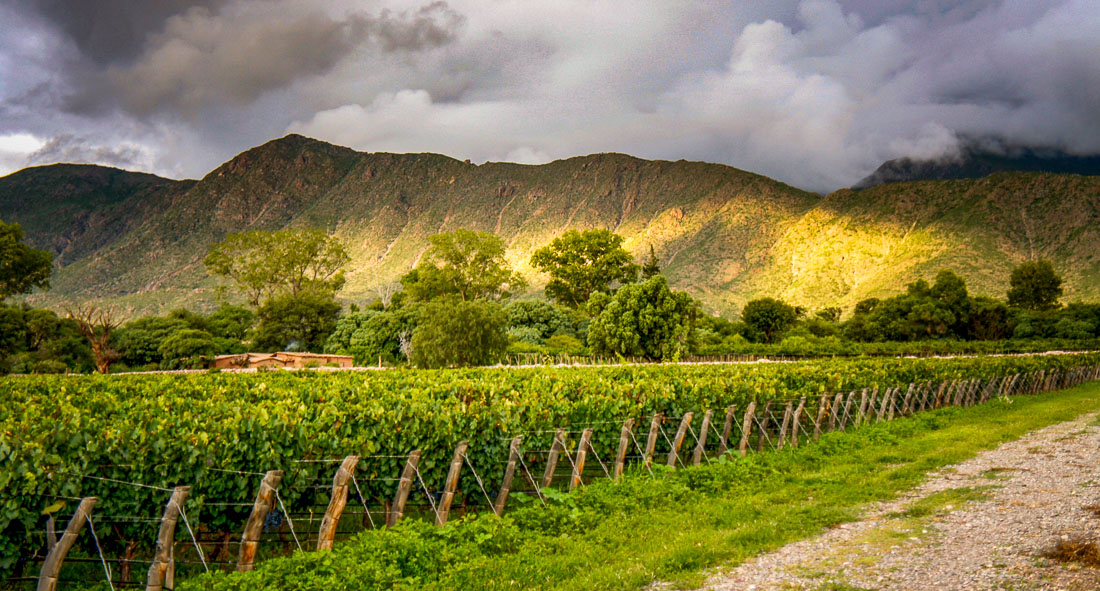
(722, 234)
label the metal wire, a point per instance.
(478, 478)
(289, 521)
(198, 548)
(363, 500)
(106, 569)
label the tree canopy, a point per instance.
(1035, 286)
(453, 333)
(582, 263)
(286, 262)
(644, 319)
(463, 263)
(769, 317)
(22, 268)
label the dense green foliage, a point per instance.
(644, 319)
(286, 262)
(1035, 286)
(296, 322)
(671, 526)
(168, 430)
(33, 340)
(768, 317)
(467, 264)
(582, 263)
(141, 342)
(22, 268)
(456, 333)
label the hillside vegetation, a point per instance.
(724, 235)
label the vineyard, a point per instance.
(130, 440)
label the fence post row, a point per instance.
(624, 445)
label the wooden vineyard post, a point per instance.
(552, 457)
(624, 445)
(651, 440)
(337, 502)
(404, 486)
(822, 408)
(582, 454)
(51, 568)
(908, 400)
(785, 425)
(265, 502)
(891, 406)
(700, 446)
(862, 407)
(509, 475)
(762, 436)
(882, 405)
(724, 440)
(162, 571)
(835, 410)
(451, 485)
(746, 429)
(796, 423)
(674, 453)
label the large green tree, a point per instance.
(769, 317)
(455, 333)
(301, 322)
(1035, 286)
(464, 263)
(583, 263)
(644, 319)
(286, 262)
(22, 268)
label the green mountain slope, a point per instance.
(723, 234)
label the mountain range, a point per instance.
(724, 235)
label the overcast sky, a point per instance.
(816, 93)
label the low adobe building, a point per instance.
(282, 360)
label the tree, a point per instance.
(22, 268)
(97, 325)
(652, 266)
(266, 264)
(1035, 286)
(644, 319)
(769, 317)
(582, 263)
(299, 322)
(463, 263)
(456, 333)
(187, 348)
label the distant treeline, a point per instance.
(456, 308)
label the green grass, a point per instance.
(674, 526)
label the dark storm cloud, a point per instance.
(179, 55)
(107, 31)
(813, 92)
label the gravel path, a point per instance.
(982, 524)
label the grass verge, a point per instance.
(671, 526)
